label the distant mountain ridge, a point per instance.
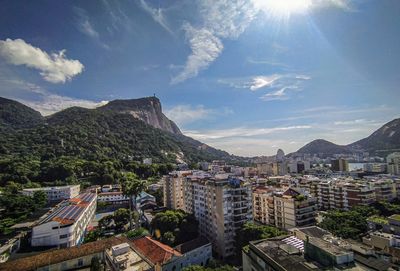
(381, 142)
(122, 129)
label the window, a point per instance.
(63, 236)
(80, 262)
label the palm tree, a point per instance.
(132, 187)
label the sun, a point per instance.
(283, 7)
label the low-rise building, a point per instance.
(65, 225)
(114, 198)
(72, 258)
(55, 193)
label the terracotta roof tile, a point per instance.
(155, 251)
(60, 255)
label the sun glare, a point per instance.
(283, 7)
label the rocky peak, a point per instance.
(146, 109)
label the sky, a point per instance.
(245, 76)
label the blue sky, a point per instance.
(246, 76)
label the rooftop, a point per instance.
(313, 231)
(283, 254)
(127, 258)
(156, 252)
(60, 255)
(192, 244)
(68, 214)
(50, 188)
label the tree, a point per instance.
(348, 224)
(92, 236)
(105, 222)
(40, 198)
(137, 233)
(182, 226)
(168, 238)
(121, 217)
(132, 187)
(250, 232)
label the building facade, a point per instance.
(221, 204)
(393, 163)
(285, 210)
(65, 225)
(55, 193)
(173, 189)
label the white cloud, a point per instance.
(54, 68)
(39, 98)
(280, 94)
(51, 103)
(263, 81)
(205, 49)
(157, 15)
(227, 18)
(219, 19)
(183, 114)
(279, 85)
(87, 28)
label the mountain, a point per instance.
(323, 147)
(16, 115)
(381, 142)
(146, 109)
(108, 132)
(385, 139)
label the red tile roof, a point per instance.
(56, 256)
(155, 251)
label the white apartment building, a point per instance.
(65, 225)
(284, 209)
(221, 204)
(55, 193)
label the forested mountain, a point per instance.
(113, 131)
(383, 141)
(323, 147)
(16, 115)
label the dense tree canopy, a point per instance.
(175, 226)
(348, 224)
(250, 232)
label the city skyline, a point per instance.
(247, 77)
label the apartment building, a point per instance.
(393, 163)
(221, 204)
(340, 164)
(55, 193)
(342, 193)
(385, 189)
(65, 225)
(284, 209)
(173, 189)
